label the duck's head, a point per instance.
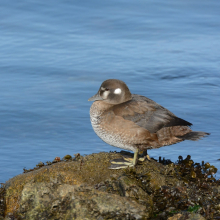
(112, 91)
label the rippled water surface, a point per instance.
(55, 54)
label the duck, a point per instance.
(134, 122)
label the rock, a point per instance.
(187, 216)
(55, 201)
(84, 188)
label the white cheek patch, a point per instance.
(105, 94)
(117, 91)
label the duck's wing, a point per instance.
(148, 114)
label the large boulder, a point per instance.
(84, 188)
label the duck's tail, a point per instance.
(194, 135)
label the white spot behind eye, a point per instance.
(117, 91)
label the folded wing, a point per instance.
(148, 114)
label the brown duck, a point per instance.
(134, 122)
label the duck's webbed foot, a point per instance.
(143, 156)
(128, 161)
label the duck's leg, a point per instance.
(135, 159)
(124, 162)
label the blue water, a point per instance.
(55, 54)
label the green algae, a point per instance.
(194, 208)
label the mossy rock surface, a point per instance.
(84, 188)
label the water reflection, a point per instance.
(54, 55)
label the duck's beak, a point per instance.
(96, 97)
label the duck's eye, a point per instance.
(106, 89)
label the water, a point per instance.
(55, 54)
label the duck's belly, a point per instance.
(111, 138)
